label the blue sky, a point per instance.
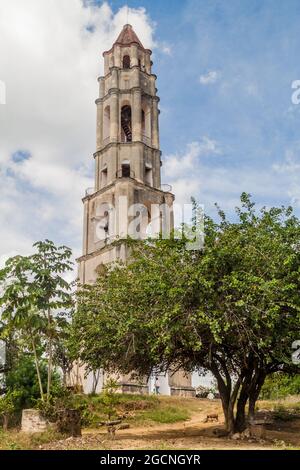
(227, 125)
(251, 51)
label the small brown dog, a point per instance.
(211, 418)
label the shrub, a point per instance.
(280, 385)
(23, 379)
(110, 398)
(8, 407)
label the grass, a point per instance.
(284, 410)
(290, 404)
(130, 407)
(45, 437)
(141, 411)
(160, 446)
(164, 415)
(136, 409)
(14, 440)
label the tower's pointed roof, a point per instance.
(127, 36)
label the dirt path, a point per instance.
(193, 434)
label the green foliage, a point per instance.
(60, 400)
(109, 405)
(110, 398)
(280, 385)
(232, 308)
(35, 301)
(22, 379)
(8, 405)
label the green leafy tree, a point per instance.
(8, 407)
(110, 398)
(280, 385)
(22, 379)
(231, 308)
(35, 299)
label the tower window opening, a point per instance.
(125, 170)
(103, 177)
(126, 62)
(143, 122)
(146, 124)
(126, 124)
(106, 223)
(148, 175)
(140, 64)
(149, 227)
(106, 123)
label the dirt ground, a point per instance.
(194, 434)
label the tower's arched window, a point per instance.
(126, 62)
(106, 123)
(126, 124)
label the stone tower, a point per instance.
(127, 166)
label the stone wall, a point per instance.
(33, 422)
(188, 392)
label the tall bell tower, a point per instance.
(127, 165)
(127, 157)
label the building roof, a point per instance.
(127, 37)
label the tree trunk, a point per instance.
(5, 422)
(96, 377)
(240, 420)
(225, 399)
(49, 370)
(226, 394)
(49, 357)
(230, 422)
(254, 394)
(251, 412)
(65, 375)
(37, 369)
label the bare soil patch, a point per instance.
(195, 433)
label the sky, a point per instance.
(227, 124)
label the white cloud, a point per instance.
(50, 58)
(210, 77)
(289, 173)
(165, 48)
(192, 174)
(176, 165)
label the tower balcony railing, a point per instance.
(146, 139)
(106, 141)
(166, 188)
(89, 191)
